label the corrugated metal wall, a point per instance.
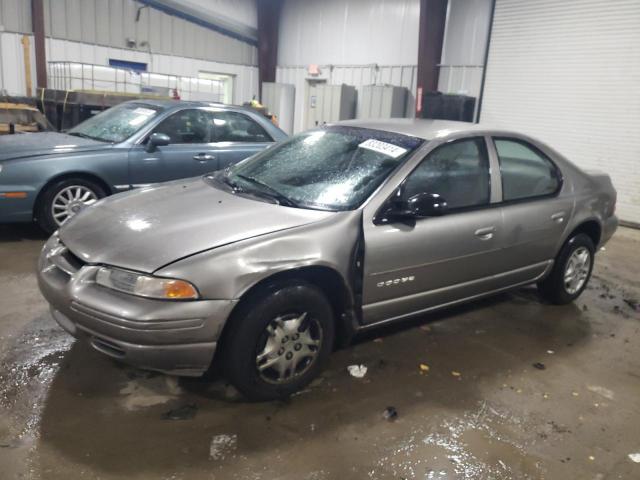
(12, 72)
(569, 73)
(112, 22)
(356, 75)
(464, 46)
(343, 32)
(15, 16)
(354, 41)
(245, 76)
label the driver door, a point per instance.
(188, 155)
(413, 265)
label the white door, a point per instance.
(568, 72)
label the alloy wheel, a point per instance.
(69, 201)
(576, 270)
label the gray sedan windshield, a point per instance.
(335, 168)
(116, 124)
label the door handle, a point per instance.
(203, 157)
(485, 233)
(558, 217)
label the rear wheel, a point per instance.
(278, 341)
(64, 199)
(571, 271)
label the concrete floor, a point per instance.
(67, 411)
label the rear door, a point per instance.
(188, 155)
(411, 266)
(535, 206)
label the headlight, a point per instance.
(146, 285)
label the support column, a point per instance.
(37, 19)
(433, 18)
(268, 22)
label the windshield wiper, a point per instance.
(265, 189)
(84, 135)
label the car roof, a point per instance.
(170, 103)
(426, 129)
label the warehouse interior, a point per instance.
(504, 387)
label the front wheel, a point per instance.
(571, 271)
(278, 341)
(62, 200)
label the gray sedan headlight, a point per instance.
(146, 285)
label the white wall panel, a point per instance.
(343, 32)
(464, 46)
(569, 73)
(113, 22)
(12, 72)
(15, 16)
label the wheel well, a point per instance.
(591, 228)
(329, 281)
(65, 176)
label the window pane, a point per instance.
(236, 127)
(186, 126)
(525, 172)
(458, 172)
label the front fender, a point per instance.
(230, 271)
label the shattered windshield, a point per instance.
(116, 124)
(335, 168)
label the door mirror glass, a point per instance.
(157, 140)
(426, 205)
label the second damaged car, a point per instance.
(266, 265)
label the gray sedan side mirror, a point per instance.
(426, 205)
(157, 140)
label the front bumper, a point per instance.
(176, 337)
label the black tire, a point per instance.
(44, 215)
(553, 287)
(246, 337)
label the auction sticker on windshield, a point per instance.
(385, 148)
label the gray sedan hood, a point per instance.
(45, 143)
(151, 227)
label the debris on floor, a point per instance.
(634, 304)
(222, 445)
(424, 368)
(455, 374)
(390, 413)
(539, 366)
(357, 371)
(602, 391)
(550, 352)
(185, 412)
(634, 457)
(425, 328)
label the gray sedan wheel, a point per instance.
(62, 200)
(571, 271)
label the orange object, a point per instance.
(179, 289)
(14, 195)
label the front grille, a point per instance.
(64, 260)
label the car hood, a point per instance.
(149, 228)
(45, 143)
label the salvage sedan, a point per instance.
(272, 262)
(50, 176)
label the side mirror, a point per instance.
(157, 140)
(420, 205)
(426, 205)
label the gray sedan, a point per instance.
(50, 176)
(267, 265)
